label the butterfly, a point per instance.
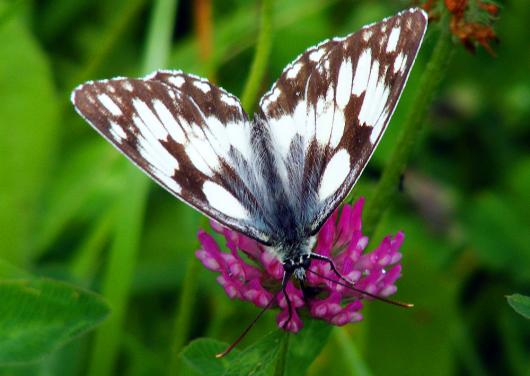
(278, 176)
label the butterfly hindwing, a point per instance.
(187, 134)
(330, 107)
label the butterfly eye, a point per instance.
(289, 266)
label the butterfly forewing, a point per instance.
(330, 107)
(190, 136)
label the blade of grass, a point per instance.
(261, 58)
(159, 36)
(86, 257)
(123, 254)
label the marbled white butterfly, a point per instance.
(278, 176)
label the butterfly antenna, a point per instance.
(244, 333)
(229, 349)
(348, 284)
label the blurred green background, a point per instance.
(72, 208)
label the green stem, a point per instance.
(261, 58)
(88, 254)
(183, 316)
(117, 281)
(281, 361)
(387, 186)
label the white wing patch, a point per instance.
(325, 110)
(109, 104)
(178, 81)
(203, 86)
(371, 96)
(238, 135)
(393, 39)
(334, 175)
(117, 131)
(292, 73)
(153, 151)
(151, 124)
(317, 54)
(362, 72)
(167, 118)
(222, 200)
(344, 84)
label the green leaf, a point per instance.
(258, 359)
(199, 355)
(305, 346)
(39, 315)
(520, 303)
(28, 134)
(262, 357)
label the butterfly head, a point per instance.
(297, 266)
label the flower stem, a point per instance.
(281, 361)
(387, 186)
(124, 250)
(261, 58)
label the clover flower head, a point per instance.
(247, 271)
(471, 21)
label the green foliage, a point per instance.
(199, 355)
(520, 303)
(39, 315)
(277, 353)
(74, 213)
(28, 135)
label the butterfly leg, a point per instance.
(305, 293)
(285, 280)
(308, 293)
(316, 256)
